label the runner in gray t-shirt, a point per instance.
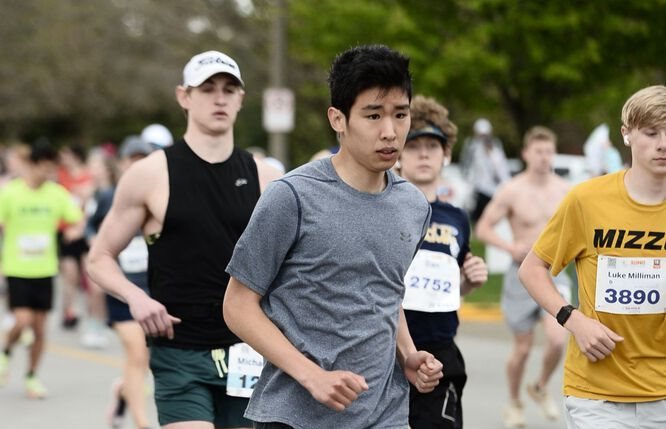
(317, 277)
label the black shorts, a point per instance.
(441, 408)
(72, 249)
(36, 294)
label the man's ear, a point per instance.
(242, 97)
(182, 97)
(447, 155)
(337, 119)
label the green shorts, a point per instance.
(188, 387)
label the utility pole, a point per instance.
(278, 100)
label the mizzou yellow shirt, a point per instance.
(598, 218)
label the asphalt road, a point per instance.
(79, 382)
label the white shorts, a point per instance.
(599, 414)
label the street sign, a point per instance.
(278, 110)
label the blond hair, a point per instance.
(646, 108)
(426, 111)
(538, 133)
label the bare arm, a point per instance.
(497, 209)
(244, 316)
(267, 173)
(126, 217)
(594, 339)
(420, 367)
(474, 273)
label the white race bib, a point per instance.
(33, 246)
(134, 258)
(432, 283)
(630, 285)
(245, 367)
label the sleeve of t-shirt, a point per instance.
(268, 237)
(563, 238)
(103, 207)
(71, 213)
(3, 205)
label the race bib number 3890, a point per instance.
(631, 285)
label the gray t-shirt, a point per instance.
(329, 262)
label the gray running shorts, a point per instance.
(521, 312)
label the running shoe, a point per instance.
(94, 339)
(69, 322)
(514, 417)
(34, 388)
(544, 400)
(4, 368)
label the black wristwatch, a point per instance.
(564, 314)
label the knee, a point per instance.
(557, 344)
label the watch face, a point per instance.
(564, 313)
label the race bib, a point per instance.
(245, 367)
(33, 246)
(630, 285)
(432, 283)
(134, 258)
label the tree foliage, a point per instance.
(101, 69)
(564, 64)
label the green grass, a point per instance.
(490, 292)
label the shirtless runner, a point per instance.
(527, 201)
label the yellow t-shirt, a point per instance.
(599, 218)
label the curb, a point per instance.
(480, 312)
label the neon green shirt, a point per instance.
(30, 219)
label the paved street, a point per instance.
(79, 381)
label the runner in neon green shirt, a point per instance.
(30, 218)
(31, 209)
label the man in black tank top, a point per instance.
(192, 201)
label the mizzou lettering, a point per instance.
(629, 239)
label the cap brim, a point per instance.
(224, 70)
(420, 133)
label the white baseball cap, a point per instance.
(207, 64)
(483, 126)
(158, 135)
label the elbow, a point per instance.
(91, 266)
(480, 231)
(230, 312)
(522, 272)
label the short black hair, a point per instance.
(364, 67)
(42, 150)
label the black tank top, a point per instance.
(209, 207)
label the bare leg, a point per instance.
(515, 367)
(22, 318)
(136, 367)
(190, 425)
(37, 348)
(69, 272)
(556, 337)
